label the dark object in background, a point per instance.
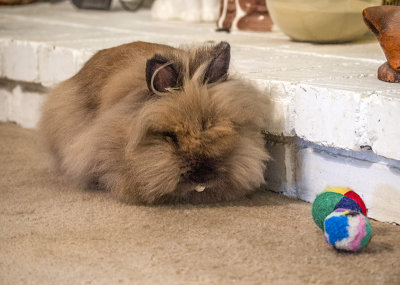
(391, 2)
(15, 2)
(131, 5)
(92, 4)
(384, 22)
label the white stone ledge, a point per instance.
(349, 120)
(21, 103)
(377, 182)
(302, 169)
(41, 63)
(326, 94)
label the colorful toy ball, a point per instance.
(334, 198)
(347, 230)
(341, 213)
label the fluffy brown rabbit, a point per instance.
(152, 124)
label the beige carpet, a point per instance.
(53, 233)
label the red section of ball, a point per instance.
(354, 196)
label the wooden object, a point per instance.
(384, 22)
(247, 15)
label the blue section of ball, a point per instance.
(347, 203)
(336, 228)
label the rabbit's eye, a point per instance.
(171, 136)
(236, 126)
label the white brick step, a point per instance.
(302, 169)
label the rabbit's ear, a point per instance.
(160, 75)
(218, 68)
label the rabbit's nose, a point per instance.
(201, 173)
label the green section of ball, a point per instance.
(368, 230)
(323, 205)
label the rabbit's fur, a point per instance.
(152, 123)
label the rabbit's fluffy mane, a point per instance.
(106, 129)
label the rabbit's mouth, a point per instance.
(200, 188)
(185, 187)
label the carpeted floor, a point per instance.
(54, 233)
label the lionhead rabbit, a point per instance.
(153, 123)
